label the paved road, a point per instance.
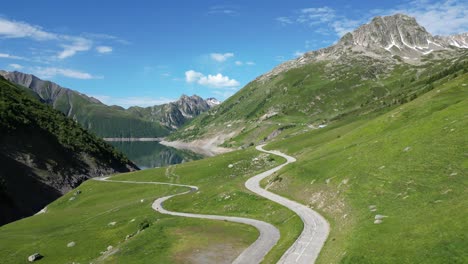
(269, 235)
(306, 248)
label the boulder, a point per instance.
(34, 257)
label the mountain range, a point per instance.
(113, 121)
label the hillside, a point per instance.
(112, 121)
(377, 123)
(385, 63)
(406, 164)
(44, 154)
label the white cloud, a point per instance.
(220, 57)
(70, 45)
(223, 10)
(9, 56)
(313, 16)
(15, 29)
(345, 25)
(218, 81)
(240, 63)
(214, 81)
(78, 44)
(49, 72)
(284, 20)
(192, 76)
(127, 102)
(15, 66)
(104, 49)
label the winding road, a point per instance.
(304, 250)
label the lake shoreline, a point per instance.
(133, 139)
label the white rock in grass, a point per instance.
(379, 217)
(378, 221)
(34, 257)
(109, 248)
(71, 244)
(112, 223)
(230, 166)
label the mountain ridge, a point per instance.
(113, 121)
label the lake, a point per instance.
(151, 154)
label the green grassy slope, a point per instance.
(409, 163)
(169, 239)
(319, 93)
(86, 221)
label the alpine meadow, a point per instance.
(353, 151)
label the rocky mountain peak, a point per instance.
(398, 34)
(382, 38)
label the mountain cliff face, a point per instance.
(384, 63)
(113, 121)
(175, 114)
(44, 154)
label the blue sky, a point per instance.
(140, 53)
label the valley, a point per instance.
(353, 153)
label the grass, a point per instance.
(86, 219)
(222, 191)
(410, 163)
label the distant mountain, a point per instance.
(384, 63)
(44, 154)
(112, 121)
(388, 38)
(175, 114)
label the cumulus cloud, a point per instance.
(239, 63)
(214, 81)
(221, 57)
(192, 76)
(104, 49)
(49, 72)
(15, 66)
